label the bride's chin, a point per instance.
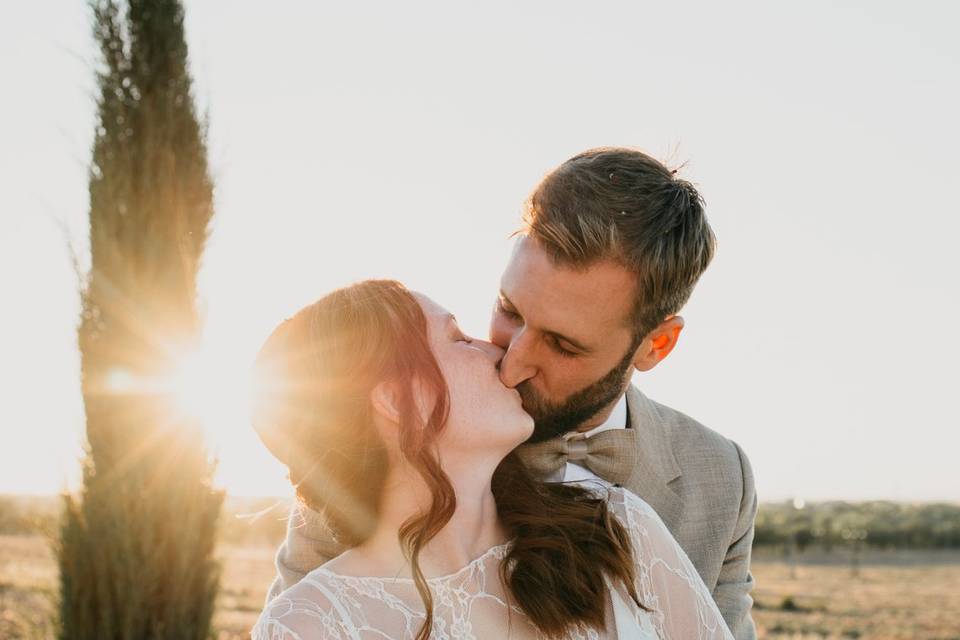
(524, 434)
(528, 423)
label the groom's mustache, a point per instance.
(532, 402)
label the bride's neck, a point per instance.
(473, 529)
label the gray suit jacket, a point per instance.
(699, 483)
(701, 486)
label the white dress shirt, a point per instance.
(616, 420)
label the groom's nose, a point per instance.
(516, 365)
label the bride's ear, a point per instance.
(385, 399)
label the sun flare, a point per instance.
(214, 385)
(198, 385)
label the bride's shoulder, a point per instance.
(630, 507)
(309, 610)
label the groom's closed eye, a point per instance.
(509, 312)
(558, 343)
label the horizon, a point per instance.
(290, 498)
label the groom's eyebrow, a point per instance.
(559, 336)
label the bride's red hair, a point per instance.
(316, 374)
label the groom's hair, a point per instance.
(622, 205)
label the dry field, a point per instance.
(28, 583)
(897, 595)
(904, 596)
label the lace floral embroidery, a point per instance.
(472, 604)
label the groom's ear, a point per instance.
(658, 344)
(385, 399)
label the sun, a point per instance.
(203, 385)
(213, 389)
(189, 384)
(213, 385)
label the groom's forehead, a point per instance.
(596, 297)
(601, 289)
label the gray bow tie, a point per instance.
(612, 454)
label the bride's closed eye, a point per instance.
(459, 336)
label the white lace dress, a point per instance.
(472, 603)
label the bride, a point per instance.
(396, 427)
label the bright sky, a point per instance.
(350, 140)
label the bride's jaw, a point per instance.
(466, 458)
(473, 528)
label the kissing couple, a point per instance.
(453, 488)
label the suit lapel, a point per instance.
(656, 465)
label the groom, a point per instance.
(611, 248)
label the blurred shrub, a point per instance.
(884, 525)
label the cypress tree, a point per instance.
(136, 545)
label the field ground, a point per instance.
(898, 595)
(902, 595)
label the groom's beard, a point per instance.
(556, 419)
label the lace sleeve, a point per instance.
(307, 611)
(667, 582)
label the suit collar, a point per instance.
(657, 464)
(654, 437)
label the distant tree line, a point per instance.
(882, 525)
(823, 525)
